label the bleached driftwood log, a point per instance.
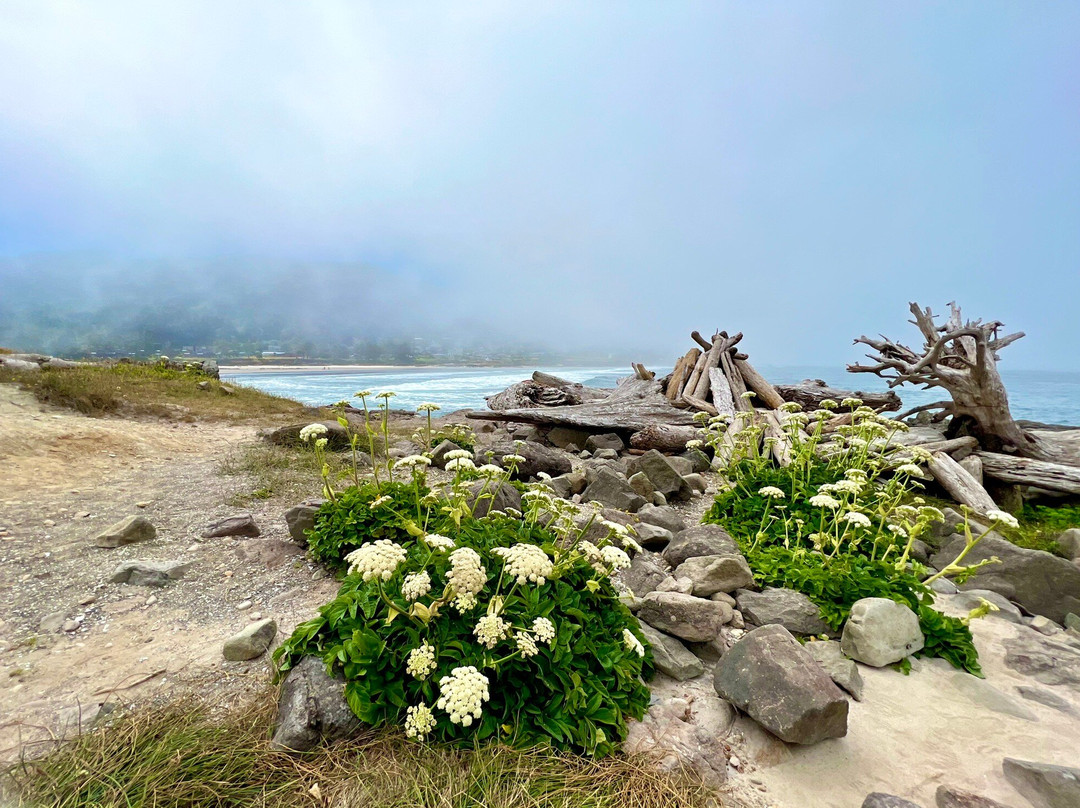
(1026, 471)
(766, 393)
(726, 448)
(973, 466)
(961, 486)
(664, 437)
(781, 444)
(811, 392)
(544, 390)
(723, 401)
(683, 368)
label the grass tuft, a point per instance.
(185, 756)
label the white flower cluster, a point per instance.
(526, 562)
(421, 661)
(437, 541)
(513, 458)
(526, 645)
(379, 502)
(458, 454)
(848, 486)
(1003, 518)
(615, 558)
(824, 501)
(632, 642)
(312, 431)
(772, 492)
(419, 721)
(462, 695)
(416, 585)
(910, 469)
(459, 464)
(377, 560)
(427, 406)
(490, 630)
(544, 629)
(467, 576)
(413, 460)
(694, 444)
(857, 519)
(489, 471)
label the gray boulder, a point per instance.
(608, 440)
(651, 536)
(1042, 784)
(1040, 582)
(243, 525)
(1069, 542)
(438, 454)
(964, 601)
(879, 799)
(127, 531)
(337, 437)
(538, 458)
(301, 518)
(483, 497)
(641, 484)
(608, 488)
(562, 437)
(769, 676)
(880, 632)
(671, 656)
(700, 540)
(312, 706)
(699, 461)
(696, 482)
(149, 573)
(664, 476)
(667, 518)
(693, 619)
(251, 642)
(784, 607)
(645, 573)
(716, 573)
(843, 671)
(947, 797)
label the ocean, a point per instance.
(1050, 397)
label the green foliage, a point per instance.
(1040, 525)
(349, 520)
(948, 638)
(461, 434)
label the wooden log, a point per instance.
(664, 437)
(766, 393)
(700, 340)
(1036, 473)
(580, 391)
(726, 448)
(712, 361)
(961, 486)
(811, 392)
(700, 404)
(781, 447)
(723, 401)
(973, 466)
(641, 372)
(738, 387)
(682, 369)
(692, 379)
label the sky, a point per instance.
(578, 173)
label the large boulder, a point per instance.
(671, 656)
(483, 497)
(538, 458)
(645, 573)
(662, 516)
(769, 676)
(611, 489)
(784, 607)
(301, 518)
(1044, 785)
(1069, 543)
(716, 573)
(250, 642)
(700, 540)
(127, 531)
(693, 619)
(438, 454)
(312, 706)
(149, 573)
(664, 477)
(337, 437)
(608, 440)
(880, 632)
(1040, 582)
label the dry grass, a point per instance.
(183, 755)
(143, 389)
(277, 472)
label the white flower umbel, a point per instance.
(513, 458)
(458, 454)
(427, 406)
(824, 501)
(379, 502)
(1003, 518)
(462, 695)
(437, 541)
(312, 431)
(544, 629)
(489, 470)
(846, 486)
(490, 630)
(412, 460)
(419, 721)
(857, 519)
(526, 645)
(416, 585)
(694, 444)
(460, 464)
(614, 558)
(632, 642)
(910, 469)
(467, 576)
(525, 563)
(420, 663)
(377, 560)
(772, 492)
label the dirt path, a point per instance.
(65, 477)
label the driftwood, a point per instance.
(738, 387)
(781, 445)
(695, 374)
(683, 368)
(723, 401)
(631, 407)
(811, 392)
(726, 447)
(973, 466)
(545, 390)
(712, 361)
(766, 393)
(961, 486)
(700, 404)
(664, 437)
(1058, 477)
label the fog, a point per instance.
(576, 176)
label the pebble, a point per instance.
(83, 515)
(255, 616)
(49, 523)
(142, 504)
(71, 625)
(243, 605)
(88, 600)
(150, 601)
(734, 761)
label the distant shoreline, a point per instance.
(231, 370)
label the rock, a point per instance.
(493, 498)
(768, 675)
(696, 482)
(672, 584)
(203, 385)
(671, 656)
(723, 597)
(641, 484)
(337, 437)
(438, 454)
(1040, 582)
(652, 537)
(608, 440)
(947, 797)
(301, 518)
(51, 623)
(880, 799)
(250, 642)
(645, 573)
(127, 531)
(716, 573)
(71, 626)
(538, 458)
(785, 607)
(19, 364)
(700, 540)
(658, 499)
(667, 518)
(964, 601)
(664, 477)
(1044, 625)
(563, 437)
(232, 526)
(843, 671)
(612, 490)
(1045, 659)
(699, 461)
(943, 586)
(1045, 698)
(149, 573)
(1069, 542)
(312, 706)
(880, 632)
(1072, 620)
(604, 454)
(693, 619)
(1042, 784)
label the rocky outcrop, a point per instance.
(768, 675)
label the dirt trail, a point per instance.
(63, 478)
